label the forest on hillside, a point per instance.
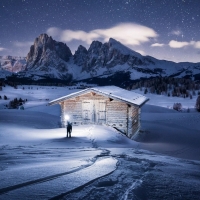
(169, 86)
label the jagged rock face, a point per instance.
(49, 58)
(39, 52)
(80, 56)
(105, 55)
(117, 54)
(47, 54)
(12, 64)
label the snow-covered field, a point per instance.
(37, 161)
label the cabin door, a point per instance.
(101, 112)
(87, 111)
(94, 111)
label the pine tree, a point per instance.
(177, 106)
(198, 104)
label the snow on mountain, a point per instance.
(105, 59)
(12, 63)
(49, 58)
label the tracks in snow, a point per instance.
(48, 178)
(56, 186)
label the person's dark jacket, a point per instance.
(69, 127)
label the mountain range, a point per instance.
(48, 58)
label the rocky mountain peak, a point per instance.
(95, 47)
(80, 56)
(112, 41)
(81, 49)
(42, 38)
(43, 47)
(49, 58)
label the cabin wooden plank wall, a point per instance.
(117, 115)
(95, 108)
(74, 108)
(133, 120)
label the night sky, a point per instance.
(165, 29)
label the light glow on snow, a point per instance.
(35, 153)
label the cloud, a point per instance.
(176, 44)
(127, 33)
(157, 45)
(176, 32)
(23, 44)
(2, 49)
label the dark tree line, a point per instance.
(16, 103)
(176, 87)
(4, 97)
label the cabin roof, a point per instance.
(113, 92)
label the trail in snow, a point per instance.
(132, 187)
(62, 185)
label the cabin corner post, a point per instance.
(129, 121)
(136, 120)
(133, 121)
(62, 117)
(139, 118)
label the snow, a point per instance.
(66, 182)
(110, 91)
(122, 94)
(11, 64)
(123, 49)
(37, 161)
(168, 102)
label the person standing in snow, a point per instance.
(69, 128)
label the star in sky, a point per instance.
(21, 21)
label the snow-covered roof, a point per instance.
(113, 92)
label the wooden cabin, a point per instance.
(109, 105)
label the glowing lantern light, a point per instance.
(67, 117)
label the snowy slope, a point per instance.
(37, 161)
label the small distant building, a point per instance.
(109, 105)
